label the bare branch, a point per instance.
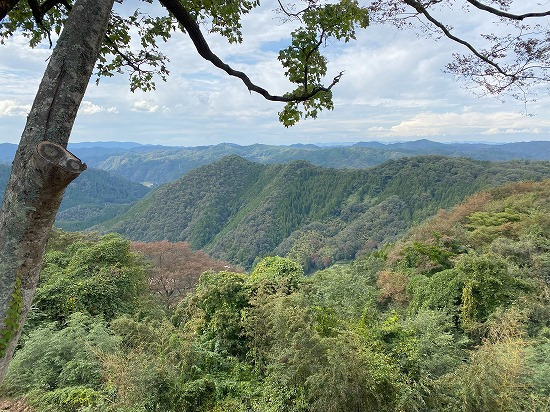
(192, 28)
(504, 14)
(422, 10)
(296, 15)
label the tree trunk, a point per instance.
(43, 167)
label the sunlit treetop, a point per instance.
(305, 65)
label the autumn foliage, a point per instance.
(175, 268)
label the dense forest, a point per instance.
(453, 317)
(241, 211)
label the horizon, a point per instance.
(100, 143)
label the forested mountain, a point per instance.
(240, 211)
(160, 164)
(96, 196)
(453, 318)
(170, 163)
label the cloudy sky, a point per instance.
(393, 89)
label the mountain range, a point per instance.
(240, 211)
(155, 164)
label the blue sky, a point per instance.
(393, 89)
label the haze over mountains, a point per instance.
(161, 164)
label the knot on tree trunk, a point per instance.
(57, 165)
(58, 156)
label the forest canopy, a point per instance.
(455, 317)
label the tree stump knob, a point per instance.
(61, 157)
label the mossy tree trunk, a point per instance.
(43, 167)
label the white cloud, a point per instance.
(12, 108)
(143, 105)
(496, 131)
(492, 131)
(89, 108)
(377, 129)
(469, 123)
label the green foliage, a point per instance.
(488, 284)
(192, 366)
(428, 257)
(151, 62)
(21, 20)
(442, 291)
(69, 399)
(276, 275)
(100, 278)
(220, 297)
(341, 293)
(500, 374)
(53, 358)
(538, 360)
(469, 332)
(304, 64)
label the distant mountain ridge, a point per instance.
(239, 210)
(167, 164)
(160, 164)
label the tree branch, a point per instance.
(127, 59)
(6, 6)
(192, 28)
(36, 13)
(422, 10)
(504, 14)
(40, 10)
(296, 15)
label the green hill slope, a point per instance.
(239, 210)
(454, 317)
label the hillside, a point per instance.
(240, 211)
(167, 164)
(160, 164)
(94, 197)
(455, 317)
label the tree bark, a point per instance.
(43, 168)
